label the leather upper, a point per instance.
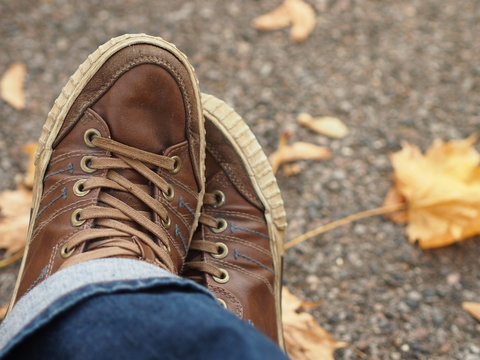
(249, 291)
(141, 97)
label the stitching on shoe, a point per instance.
(182, 203)
(43, 274)
(231, 174)
(42, 224)
(171, 179)
(240, 241)
(237, 254)
(233, 227)
(238, 308)
(63, 195)
(185, 222)
(178, 234)
(242, 270)
(60, 183)
(69, 169)
(70, 154)
(236, 213)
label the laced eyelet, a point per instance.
(219, 198)
(222, 251)
(85, 164)
(65, 253)
(222, 302)
(166, 223)
(170, 194)
(221, 226)
(75, 219)
(177, 165)
(89, 135)
(78, 188)
(223, 278)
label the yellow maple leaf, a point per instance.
(442, 191)
(304, 338)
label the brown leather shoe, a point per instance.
(120, 166)
(236, 251)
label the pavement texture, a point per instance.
(392, 70)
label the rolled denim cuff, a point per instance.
(69, 286)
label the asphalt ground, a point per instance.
(393, 71)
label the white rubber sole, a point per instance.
(69, 94)
(260, 172)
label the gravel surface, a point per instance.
(392, 70)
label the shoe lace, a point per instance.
(111, 237)
(203, 247)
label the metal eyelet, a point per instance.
(85, 164)
(170, 194)
(222, 302)
(78, 188)
(221, 226)
(177, 165)
(219, 198)
(222, 251)
(89, 135)
(223, 278)
(166, 223)
(64, 253)
(75, 219)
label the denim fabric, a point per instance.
(142, 319)
(63, 282)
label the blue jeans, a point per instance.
(162, 317)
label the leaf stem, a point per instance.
(12, 259)
(344, 221)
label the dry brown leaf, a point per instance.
(296, 151)
(442, 191)
(326, 125)
(472, 308)
(291, 12)
(304, 338)
(15, 215)
(15, 210)
(30, 150)
(3, 311)
(292, 169)
(11, 85)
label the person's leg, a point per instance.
(117, 197)
(166, 323)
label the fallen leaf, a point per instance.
(30, 150)
(291, 12)
(394, 197)
(15, 210)
(304, 338)
(3, 311)
(15, 216)
(472, 308)
(326, 125)
(296, 151)
(441, 189)
(292, 169)
(11, 85)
